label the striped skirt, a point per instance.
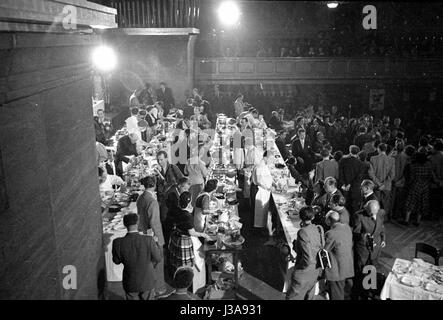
(181, 250)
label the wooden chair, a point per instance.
(429, 250)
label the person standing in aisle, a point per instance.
(139, 254)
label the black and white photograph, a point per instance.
(237, 151)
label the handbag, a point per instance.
(323, 260)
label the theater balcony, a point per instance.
(318, 70)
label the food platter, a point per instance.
(411, 281)
(432, 287)
(229, 242)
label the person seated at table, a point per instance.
(107, 181)
(126, 146)
(280, 142)
(172, 199)
(138, 253)
(337, 204)
(183, 278)
(202, 208)
(306, 246)
(181, 248)
(275, 122)
(294, 168)
(330, 185)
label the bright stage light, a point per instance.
(229, 13)
(104, 58)
(332, 5)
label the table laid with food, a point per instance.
(121, 201)
(223, 223)
(413, 280)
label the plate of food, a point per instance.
(411, 281)
(119, 227)
(401, 268)
(432, 287)
(233, 240)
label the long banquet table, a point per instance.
(290, 225)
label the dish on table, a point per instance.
(233, 242)
(432, 287)
(119, 227)
(411, 281)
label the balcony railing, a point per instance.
(156, 13)
(232, 70)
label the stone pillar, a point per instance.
(50, 213)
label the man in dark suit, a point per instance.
(302, 150)
(306, 246)
(280, 142)
(350, 170)
(149, 212)
(165, 94)
(330, 186)
(126, 146)
(367, 190)
(138, 253)
(369, 239)
(383, 173)
(338, 242)
(337, 204)
(275, 122)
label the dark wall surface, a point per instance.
(50, 213)
(151, 59)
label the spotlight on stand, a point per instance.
(332, 4)
(104, 59)
(229, 13)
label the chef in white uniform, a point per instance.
(262, 178)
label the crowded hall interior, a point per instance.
(221, 150)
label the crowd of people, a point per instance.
(382, 177)
(327, 44)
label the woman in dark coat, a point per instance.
(421, 177)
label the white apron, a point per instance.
(199, 279)
(262, 176)
(261, 208)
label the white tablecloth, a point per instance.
(395, 290)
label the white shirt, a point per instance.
(302, 142)
(110, 180)
(262, 175)
(132, 124)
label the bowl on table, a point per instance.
(114, 208)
